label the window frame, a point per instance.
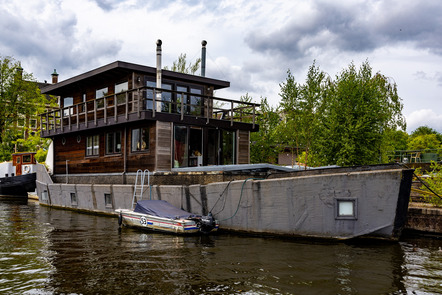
(99, 94)
(114, 142)
(93, 145)
(120, 92)
(139, 140)
(339, 215)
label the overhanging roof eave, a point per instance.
(53, 89)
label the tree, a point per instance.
(358, 110)
(300, 108)
(423, 142)
(20, 100)
(263, 148)
(425, 130)
(346, 121)
(181, 65)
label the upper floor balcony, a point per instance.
(150, 103)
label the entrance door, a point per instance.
(187, 146)
(18, 164)
(221, 148)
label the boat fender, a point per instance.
(120, 219)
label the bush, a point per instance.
(434, 182)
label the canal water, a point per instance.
(50, 251)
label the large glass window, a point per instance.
(180, 147)
(228, 147)
(92, 145)
(120, 91)
(67, 101)
(165, 105)
(166, 98)
(99, 94)
(195, 102)
(195, 146)
(181, 98)
(113, 142)
(140, 139)
(188, 146)
(149, 94)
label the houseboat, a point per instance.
(17, 177)
(193, 150)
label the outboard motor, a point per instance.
(207, 223)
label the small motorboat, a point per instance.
(159, 215)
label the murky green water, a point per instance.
(49, 251)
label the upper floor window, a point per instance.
(67, 102)
(99, 94)
(140, 139)
(164, 104)
(113, 142)
(120, 90)
(92, 145)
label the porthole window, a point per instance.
(346, 208)
(78, 138)
(63, 141)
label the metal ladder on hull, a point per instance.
(142, 175)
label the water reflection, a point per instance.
(52, 251)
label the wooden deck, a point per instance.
(146, 103)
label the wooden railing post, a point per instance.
(78, 117)
(116, 107)
(105, 109)
(69, 117)
(138, 106)
(95, 112)
(231, 113)
(85, 114)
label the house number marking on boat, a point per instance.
(143, 221)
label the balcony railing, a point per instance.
(155, 100)
(415, 156)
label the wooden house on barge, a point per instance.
(123, 117)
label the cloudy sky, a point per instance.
(251, 43)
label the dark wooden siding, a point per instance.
(144, 159)
(72, 147)
(164, 146)
(243, 147)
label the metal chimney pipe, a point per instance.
(203, 58)
(157, 105)
(159, 42)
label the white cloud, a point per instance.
(424, 117)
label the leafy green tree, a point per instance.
(20, 99)
(425, 130)
(358, 110)
(394, 140)
(263, 148)
(181, 65)
(424, 142)
(300, 107)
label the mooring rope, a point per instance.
(421, 181)
(240, 197)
